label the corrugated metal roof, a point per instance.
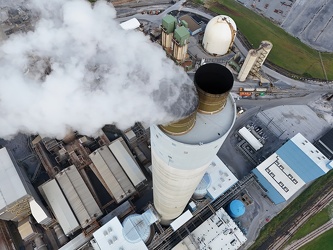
(114, 176)
(61, 209)
(126, 161)
(78, 195)
(304, 164)
(11, 185)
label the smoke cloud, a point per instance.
(79, 70)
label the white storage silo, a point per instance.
(219, 35)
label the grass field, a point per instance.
(323, 242)
(313, 223)
(288, 52)
(297, 205)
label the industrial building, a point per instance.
(192, 25)
(175, 37)
(78, 196)
(325, 144)
(219, 35)
(134, 232)
(126, 160)
(218, 232)
(182, 151)
(111, 175)
(293, 165)
(216, 181)
(18, 197)
(58, 204)
(130, 24)
(254, 60)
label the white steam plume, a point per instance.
(79, 70)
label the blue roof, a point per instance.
(298, 161)
(272, 193)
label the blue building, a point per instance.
(293, 165)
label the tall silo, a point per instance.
(219, 35)
(254, 60)
(182, 151)
(168, 26)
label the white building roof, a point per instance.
(181, 220)
(11, 186)
(250, 138)
(110, 236)
(281, 176)
(311, 151)
(130, 24)
(78, 195)
(221, 178)
(41, 216)
(218, 232)
(57, 202)
(126, 161)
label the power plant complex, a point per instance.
(162, 186)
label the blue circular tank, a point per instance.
(236, 208)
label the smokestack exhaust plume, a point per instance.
(79, 70)
(213, 82)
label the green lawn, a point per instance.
(288, 52)
(322, 242)
(313, 223)
(297, 205)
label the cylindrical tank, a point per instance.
(62, 238)
(235, 209)
(213, 82)
(40, 245)
(136, 228)
(219, 35)
(250, 60)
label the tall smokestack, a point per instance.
(180, 157)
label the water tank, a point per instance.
(235, 208)
(219, 35)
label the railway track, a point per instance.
(314, 234)
(288, 229)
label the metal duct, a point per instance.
(180, 127)
(213, 82)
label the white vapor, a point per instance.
(97, 74)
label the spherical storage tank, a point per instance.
(219, 35)
(235, 209)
